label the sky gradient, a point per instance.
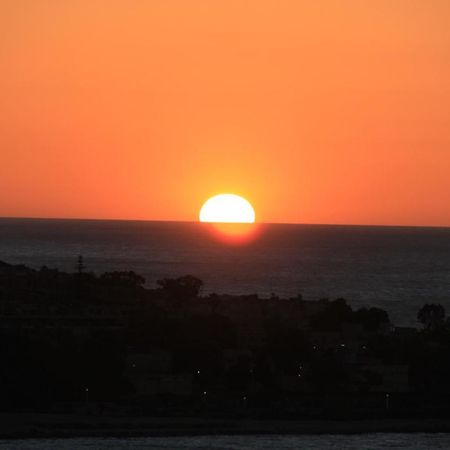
(315, 111)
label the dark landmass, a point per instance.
(86, 354)
(27, 426)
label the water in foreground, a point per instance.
(395, 268)
(372, 441)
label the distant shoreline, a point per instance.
(172, 221)
(32, 426)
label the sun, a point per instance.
(227, 208)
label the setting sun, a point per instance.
(227, 208)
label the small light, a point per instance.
(342, 345)
(204, 392)
(198, 372)
(87, 390)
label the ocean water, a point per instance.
(395, 268)
(372, 441)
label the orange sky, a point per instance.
(316, 111)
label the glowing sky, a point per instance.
(315, 111)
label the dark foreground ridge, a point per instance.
(83, 349)
(41, 425)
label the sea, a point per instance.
(371, 441)
(398, 269)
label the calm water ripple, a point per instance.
(372, 441)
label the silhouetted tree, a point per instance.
(213, 302)
(129, 278)
(80, 264)
(333, 316)
(371, 318)
(182, 288)
(431, 316)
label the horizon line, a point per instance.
(93, 219)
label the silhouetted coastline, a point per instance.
(103, 349)
(393, 268)
(45, 426)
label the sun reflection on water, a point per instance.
(234, 233)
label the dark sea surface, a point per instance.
(371, 441)
(396, 268)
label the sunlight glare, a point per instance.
(227, 208)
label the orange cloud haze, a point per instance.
(316, 111)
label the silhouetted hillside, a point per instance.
(105, 343)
